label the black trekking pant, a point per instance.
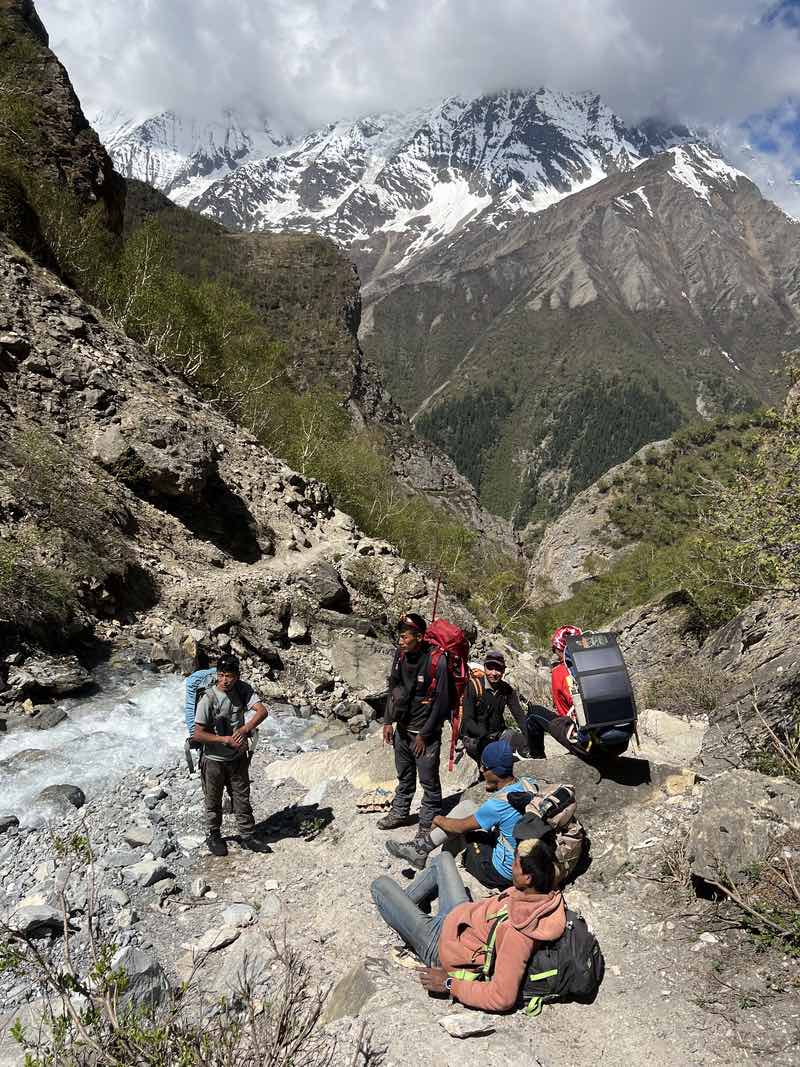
(541, 721)
(409, 767)
(217, 775)
(477, 859)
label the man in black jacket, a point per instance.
(416, 709)
(485, 704)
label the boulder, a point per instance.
(147, 872)
(36, 920)
(213, 940)
(138, 836)
(62, 796)
(239, 915)
(147, 985)
(157, 452)
(7, 822)
(45, 676)
(325, 588)
(741, 813)
(468, 1023)
(45, 718)
(671, 738)
(362, 663)
(350, 994)
(23, 760)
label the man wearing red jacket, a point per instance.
(559, 677)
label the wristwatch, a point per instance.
(448, 984)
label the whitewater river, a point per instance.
(134, 720)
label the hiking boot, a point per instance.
(415, 852)
(254, 844)
(216, 845)
(393, 822)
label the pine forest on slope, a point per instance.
(545, 289)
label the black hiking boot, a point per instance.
(216, 845)
(415, 852)
(254, 843)
(393, 822)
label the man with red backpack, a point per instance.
(416, 709)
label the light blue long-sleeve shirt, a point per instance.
(197, 680)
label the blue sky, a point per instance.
(730, 66)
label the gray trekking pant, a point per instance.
(401, 910)
(235, 776)
(408, 767)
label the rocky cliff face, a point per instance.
(61, 145)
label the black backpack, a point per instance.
(571, 968)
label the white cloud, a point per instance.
(712, 62)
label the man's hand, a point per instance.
(241, 734)
(234, 741)
(388, 733)
(419, 746)
(433, 979)
(437, 820)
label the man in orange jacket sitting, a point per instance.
(456, 939)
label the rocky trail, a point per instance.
(683, 985)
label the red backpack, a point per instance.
(448, 640)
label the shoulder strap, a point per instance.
(488, 961)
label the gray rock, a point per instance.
(62, 796)
(37, 920)
(7, 822)
(362, 663)
(47, 717)
(153, 797)
(118, 896)
(189, 842)
(126, 918)
(350, 994)
(147, 872)
(741, 812)
(147, 985)
(325, 588)
(48, 676)
(23, 760)
(298, 628)
(239, 915)
(215, 939)
(119, 858)
(468, 1024)
(199, 888)
(138, 835)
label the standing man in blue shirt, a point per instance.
(489, 857)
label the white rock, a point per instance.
(468, 1024)
(190, 841)
(148, 872)
(315, 796)
(199, 888)
(239, 915)
(215, 939)
(138, 835)
(271, 885)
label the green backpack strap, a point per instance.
(488, 959)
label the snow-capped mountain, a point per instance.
(402, 183)
(181, 155)
(395, 184)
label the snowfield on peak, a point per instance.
(696, 162)
(409, 180)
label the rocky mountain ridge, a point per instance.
(389, 186)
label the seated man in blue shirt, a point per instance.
(489, 857)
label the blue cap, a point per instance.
(498, 757)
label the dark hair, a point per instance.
(540, 863)
(200, 661)
(412, 621)
(228, 664)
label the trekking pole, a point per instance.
(436, 598)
